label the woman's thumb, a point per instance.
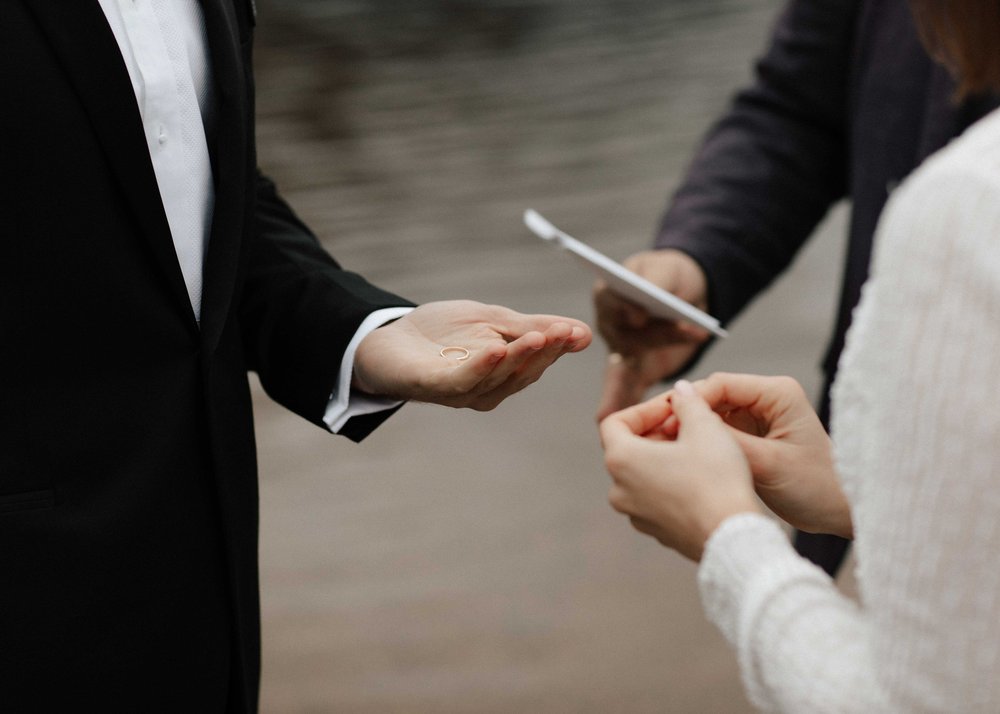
(689, 406)
(757, 449)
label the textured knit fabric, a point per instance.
(916, 428)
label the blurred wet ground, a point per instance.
(465, 562)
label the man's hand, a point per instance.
(787, 447)
(644, 349)
(507, 351)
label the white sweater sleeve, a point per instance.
(917, 428)
(774, 606)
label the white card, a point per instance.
(623, 281)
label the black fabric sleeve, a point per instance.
(772, 166)
(299, 310)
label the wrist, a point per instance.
(362, 379)
(724, 511)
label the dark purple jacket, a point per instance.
(845, 104)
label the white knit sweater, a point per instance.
(916, 428)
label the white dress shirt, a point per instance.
(165, 50)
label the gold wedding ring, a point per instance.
(463, 354)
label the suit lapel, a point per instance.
(231, 149)
(82, 40)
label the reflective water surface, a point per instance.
(465, 562)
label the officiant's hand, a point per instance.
(644, 349)
(461, 353)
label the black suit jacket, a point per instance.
(128, 496)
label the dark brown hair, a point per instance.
(964, 35)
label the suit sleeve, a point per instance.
(299, 310)
(771, 167)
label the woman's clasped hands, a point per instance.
(685, 461)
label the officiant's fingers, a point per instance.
(630, 329)
(625, 384)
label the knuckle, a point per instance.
(617, 500)
(715, 378)
(615, 464)
(792, 390)
(611, 459)
(787, 384)
(761, 459)
(640, 525)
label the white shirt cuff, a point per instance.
(344, 402)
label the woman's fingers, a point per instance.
(739, 390)
(638, 420)
(754, 403)
(693, 413)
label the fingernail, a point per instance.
(682, 386)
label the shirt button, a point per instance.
(162, 138)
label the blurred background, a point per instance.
(467, 562)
